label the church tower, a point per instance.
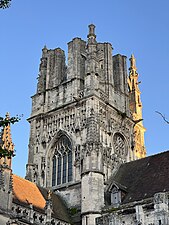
(81, 126)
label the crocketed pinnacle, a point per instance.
(6, 143)
(91, 36)
(133, 68)
(6, 136)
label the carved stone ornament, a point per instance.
(119, 145)
(160, 198)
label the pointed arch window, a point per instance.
(62, 161)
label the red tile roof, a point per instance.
(27, 192)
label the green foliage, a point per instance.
(73, 211)
(5, 121)
(5, 4)
(112, 210)
(6, 153)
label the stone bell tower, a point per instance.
(81, 124)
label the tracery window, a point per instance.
(119, 145)
(62, 161)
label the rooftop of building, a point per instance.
(27, 193)
(143, 178)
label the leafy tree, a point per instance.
(5, 122)
(5, 4)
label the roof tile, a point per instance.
(27, 192)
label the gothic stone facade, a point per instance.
(86, 146)
(85, 121)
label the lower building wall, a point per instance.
(152, 211)
(89, 219)
(3, 220)
(71, 195)
(147, 217)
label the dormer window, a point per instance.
(115, 195)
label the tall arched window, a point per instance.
(62, 161)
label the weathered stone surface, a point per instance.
(86, 102)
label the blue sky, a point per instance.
(132, 26)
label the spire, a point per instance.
(91, 36)
(48, 207)
(133, 67)
(44, 48)
(44, 51)
(136, 109)
(135, 101)
(133, 75)
(6, 141)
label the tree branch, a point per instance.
(5, 4)
(163, 116)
